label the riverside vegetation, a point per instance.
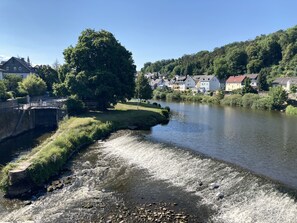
(74, 133)
(275, 99)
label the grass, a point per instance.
(48, 158)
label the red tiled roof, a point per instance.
(236, 79)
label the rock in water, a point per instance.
(214, 186)
(220, 195)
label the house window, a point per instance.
(14, 69)
(7, 68)
(20, 68)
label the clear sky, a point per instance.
(150, 29)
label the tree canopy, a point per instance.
(48, 74)
(276, 52)
(98, 68)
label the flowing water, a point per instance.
(250, 155)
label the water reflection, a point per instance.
(261, 141)
(12, 148)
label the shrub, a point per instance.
(232, 100)
(248, 100)
(75, 106)
(167, 108)
(173, 96)
(279, 96)
(210, 99)
(33, 85)
(265, 103)
(3, 89)
(219, 94)
(291, 110)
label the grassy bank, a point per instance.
(48, 158)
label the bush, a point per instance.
(210, 99)
(291, 110)
(167, 108)
(75, 106)
(232, 100)
(3, 96)
(265, 103)
(173, 96)
(33, 85)
(219, 94)
(248, 100)
(279, 96)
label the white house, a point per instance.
(186, 82)
(207, 82)
(254, 79)
(1, 74)
(159, 82)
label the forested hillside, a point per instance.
(270, 55)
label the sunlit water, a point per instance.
(167, 163)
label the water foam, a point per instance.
(247, 198)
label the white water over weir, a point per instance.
(247, 198)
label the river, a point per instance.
(250, 155)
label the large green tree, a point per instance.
(48, 74)
(143, 90)
(100, 69)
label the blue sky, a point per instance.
(150, 29)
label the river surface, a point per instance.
(250, 155)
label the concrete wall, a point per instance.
(15, 121)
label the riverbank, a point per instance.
(275, 99)
(73, 134)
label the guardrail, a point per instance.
(36, 104)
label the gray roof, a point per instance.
(284, 80)
(200, 78)
(21, 61)
(252, 76)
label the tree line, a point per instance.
(270, 55)
(98, 69)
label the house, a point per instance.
(207, 82)
(285, 82)
(17, 66)
(254, 79)
(155, 83)
(182, 83)
(235, 82)
(1, 74)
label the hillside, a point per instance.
(270, 55)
